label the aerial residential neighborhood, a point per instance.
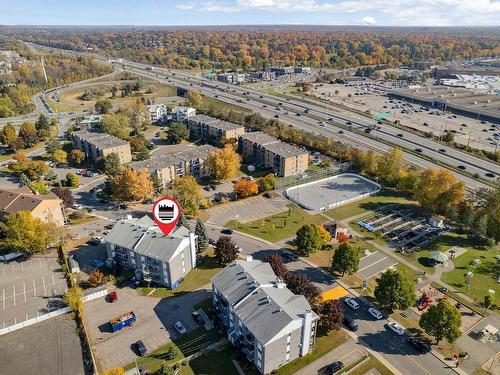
(240, 188)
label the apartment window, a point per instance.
(259, 356)
(259, 346)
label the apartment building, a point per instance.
(99, 145)
(214, 130)
(269, 152)
(157, 113)
(180, 114)
(271, 325)
(46, 207)
(191, 162)
(139, 244)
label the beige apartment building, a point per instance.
(46, 207)
(269, 152)
(211, 129)
(191, 162)
(99, 145)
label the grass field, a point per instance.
(278, 227)
(206, 268)
(368, 205)
(70, 99)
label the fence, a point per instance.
(36, 320)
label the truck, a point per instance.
(122, 321)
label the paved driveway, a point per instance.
(30, 288)
(246, 210)
(154, 326)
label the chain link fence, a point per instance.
(308, 176)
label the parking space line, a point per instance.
(34, 288)
(24, 290)
(22, 267)
(44, 289)
(53, 281)
(3, 298)
(14, 296)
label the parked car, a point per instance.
(333, 368)
(198, 318)
(287, 256)
(396, 328)
(350, 323)
(113, 296)
(227, 231)
(422, 346)
(375, 313)
(141, 348)
(418, 149)
(352, 303)
(212, 241)
(96, 240)
(179, 327)
(77, 206)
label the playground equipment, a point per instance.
(424, 302)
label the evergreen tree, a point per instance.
(183, 221)
(201, 231)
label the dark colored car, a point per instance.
(227, 231)
(418, 149)
(141, 348)
(211, 241)
(461, 166)
(198, 318)
(422, 346)
(333, 368)
(350, 323)
(442, 150)
(288, 256)
(113, 296)
(490, 175)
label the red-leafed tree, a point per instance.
(332, 315)
(278, 266)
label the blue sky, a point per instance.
(238, 12)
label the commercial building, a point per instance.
(139, 244)
(180, 114)
(271, 325)
(266, 151)
(281, 70)
(232, 77)
(211, 129)
(46, 207)
(453, 71)
(89, 122)
(157, 113)
(303, 69)
(191, 162)
(461, 101)
(99, 145)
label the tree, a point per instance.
(33, 169)
(74, 298)
(28, 134)
(345, 259)
(246, 188)
(60, 156)
(112, 164)
(442, 321)
(113, 91)
(131, 185)
(225, 250)
(390, 166)
(195, 98)
(278, 265)
(394, 291)
(65, 195)
(116, 124)
(183, 221)
(165, 369)
(225, 163)
(97, 278)
(201, 231)
(76, 157)
(324, 234)
(188, 193)
(39, 187)
(8, 134)
(267, 182)
(42, 123)
(24, 180)
(308, 239)
(300, 284)
(72, 180)
(177, 132)
(24, 233)
(489, 300)
(332, 315)
(103, 106)
(171, 353)
(438, 190)
(53, 145)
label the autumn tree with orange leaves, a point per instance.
(131, 185)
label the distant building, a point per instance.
(453, 71)
(191, 162)
(46, 207)
(99, 145)
(264, 319)
(139, 244)
(233, 78)
(157, 113)
(89, 122)
(262, 76)
(180, 114)
(269, 152)
(281, 70)
(211, 129)
(303, 69)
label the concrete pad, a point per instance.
(374, 263)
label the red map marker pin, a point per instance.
(166, 213)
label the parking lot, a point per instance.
(373, 264)
(30, 288)
(154, 325)
(247, 210)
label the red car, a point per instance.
(113, 296)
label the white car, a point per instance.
(375, 313)
(77, 206)
(396, 328)
(352, 303)
(180, 328)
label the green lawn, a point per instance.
(278, 227)
(185, 346)
(214, 363)
(372, 363)
(206, 268)
(370, 204)
(324, 343)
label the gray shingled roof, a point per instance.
(101, 140)
(145, 238)
(203, 119)
(284, 149)
(268, 308)
(259, 137)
